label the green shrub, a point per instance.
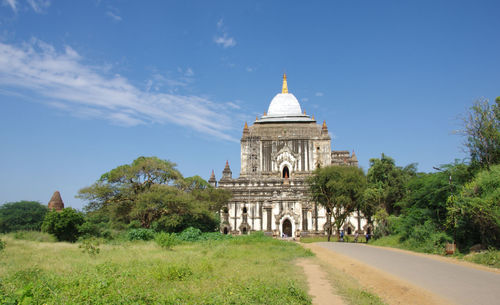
(64, 225)
(35, 236)
(190, 234)
(166, 240)
(2, 245)
(140, 234)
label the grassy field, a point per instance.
(245, 270)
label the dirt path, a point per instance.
(392, 289)
(319, 288)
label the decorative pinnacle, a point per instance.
(285, 86)
(324, 125)
(304, 111)
(313, 117)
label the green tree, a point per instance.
(21, 215)
(64, 225)
(387, 182)
(338, 189)
(481, 127)
(476, 209)
(153, 193)
(373, 197)
(116, 191)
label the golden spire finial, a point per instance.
(285, 86)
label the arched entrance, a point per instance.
(225, 230)
(287, 228)
(286, 172)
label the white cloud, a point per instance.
(225, 41)
(250, 69)
(39, 6)
(319, 94)
(114, 16)
(305, 99)
(11, 3)
(222, 38)
(62, 80)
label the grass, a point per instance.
(490, 258)
(248, 270)
(348, 287)
(33, 236)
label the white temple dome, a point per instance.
(284, 104)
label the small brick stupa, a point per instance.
(56, 202)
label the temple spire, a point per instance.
(285, 86)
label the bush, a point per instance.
(64, 225)
(2, 245)
(166, 240)
(190, 234)
(140, 234)
(21, 215)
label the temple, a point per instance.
(278, 152)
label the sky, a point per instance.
(86, 86)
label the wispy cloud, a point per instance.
(113, 16)
(62, 80)
(38, 6)
(113, 13)
(11, 3)
(319, 94)
(222, 38)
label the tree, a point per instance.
(64, 225)
(21, 215)
(116, 191)
(153, 193)
(481, 127)
(476, 208)
(338, 189)
(387, 181)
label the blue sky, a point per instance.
(86, 86)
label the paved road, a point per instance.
(460, 284)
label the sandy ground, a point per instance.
(319, 288)
(392, 289)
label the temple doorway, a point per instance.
(286, 172)
(287, 228)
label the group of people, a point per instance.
(356, 236)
